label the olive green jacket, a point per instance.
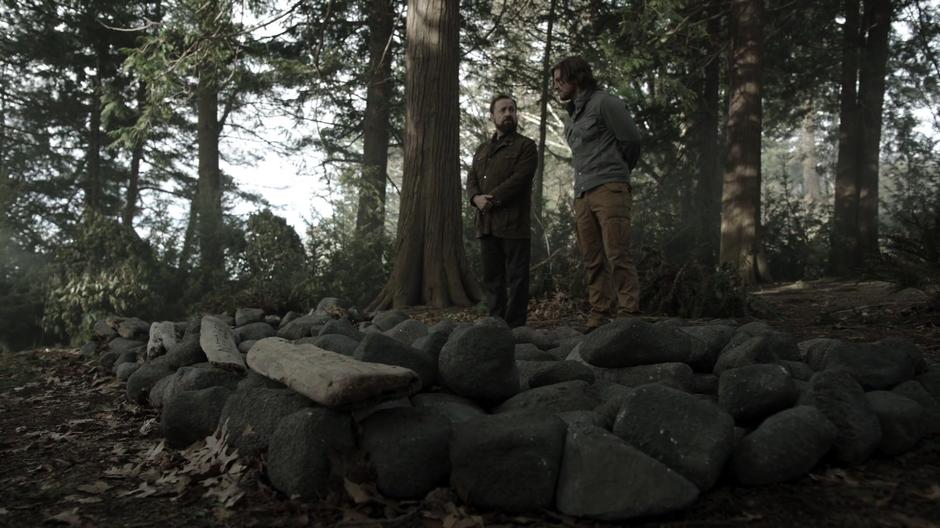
(504, 168)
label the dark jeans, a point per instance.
(506, 264)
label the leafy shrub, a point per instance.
(102, 268)
(275, 267)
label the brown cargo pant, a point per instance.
(602, 217)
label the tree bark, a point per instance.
(812, 192)
(539, 248)
(93, 183)
(430, 266)
(137, 155)
(370, 216)
(843, 249)
(740, 220)
(704, 218)
(209, 190)
(864, 65)
(872, 71)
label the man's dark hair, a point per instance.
(500, 97)
(576, 71)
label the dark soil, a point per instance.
(73, 452)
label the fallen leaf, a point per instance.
(932, 494)
(99, 486)
(356, 492)
(69, 517)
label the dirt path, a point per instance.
(73, 453)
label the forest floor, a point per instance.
(73, 452)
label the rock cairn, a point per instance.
(632, 420)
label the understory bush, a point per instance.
(104, 268)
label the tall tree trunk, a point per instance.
(209, 191)
(93, 179)
(843, 249)
(539, 247)
(871, 90)
(137, 155)
(740, 220)
(864, 66)
(811, 189)
(370, 216)
(702, 202)
(430, 267)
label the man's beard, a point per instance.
(506, 127)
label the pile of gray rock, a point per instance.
(634, 419)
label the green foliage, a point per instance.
(688, 289)
(102, 268)
(344, 265)
(275, 263)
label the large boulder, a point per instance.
(714, 338)
(246, 316)
(750, 351)
(340, 327)
(387, 319)
(565, 396)
(915, 391)
(384, 349)
(604, 478)
(162, 337)
(676, 375)
(478, 363)
(561, 371)
(877, 366)
(144, 378)
(842, 400)
(254, 331)
(133, 328)
(188, 351)
(785, 446)
(508, 462)
(407, 331)
(409, 449)
(300, 454)
(901, 421)
(690, 435)
(196, 377)
(303, 326)
(252, 415)
(218, 342)
(754, 392)
(631, 342)
(339, 343)
(192, 415)
(455, 409)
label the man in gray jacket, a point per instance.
(605, 146)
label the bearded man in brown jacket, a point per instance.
(499, 186)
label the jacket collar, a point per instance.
(576, 105)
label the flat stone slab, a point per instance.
(218, 342)
(328, 378)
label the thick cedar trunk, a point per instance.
(702, 203)
(843, 252)
(871, 92)
(539, 248)
(209, 192)
(855, 211)
(740, 219)
(137, 155)
(430, 266)
(370, 216)
(811, 189)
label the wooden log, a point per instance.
(218, 342)
(328, 378)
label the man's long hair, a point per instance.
(577, 71)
